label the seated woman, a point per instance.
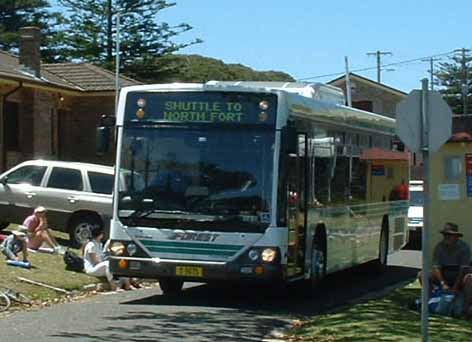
(38, 230)
(94, 263)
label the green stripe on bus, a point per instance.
(171, 250)
(152, 243)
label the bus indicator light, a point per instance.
(263, 116)
(264, 105)
(140, 113)
(259, 270)
(141, 102)
(123, 263)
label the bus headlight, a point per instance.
(268, 254)
(117, 248)
(132, 249)
(253, 255)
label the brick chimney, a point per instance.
(30, 54)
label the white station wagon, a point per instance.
(76, 195)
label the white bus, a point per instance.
(251, 181)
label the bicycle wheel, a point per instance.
(17, 296)
(4, 302)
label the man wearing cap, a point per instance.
(14, 244)
(37, 225)
(451, 260)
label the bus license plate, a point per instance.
(189, 271)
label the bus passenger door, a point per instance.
(297, 174)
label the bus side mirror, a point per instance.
(102, 139)
(107, 122)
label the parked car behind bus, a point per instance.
(76, 195)
(415, 212)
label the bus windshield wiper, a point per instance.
(170, 214)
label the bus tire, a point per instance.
(318, 259)
(381, 262)
(171, 287)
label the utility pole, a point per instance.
(379, 55)
(431, 61)
(117, 61)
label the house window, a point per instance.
(363, 105)
(12, 131)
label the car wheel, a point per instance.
(3, 225)
(171, 286)
(80, 229)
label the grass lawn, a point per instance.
(46, 268)
(386, 318)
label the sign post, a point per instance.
(424, 123)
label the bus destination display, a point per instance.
(199, 107)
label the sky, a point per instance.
(308, 38)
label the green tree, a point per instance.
(455, 80)
(15, 14)
(92, 30)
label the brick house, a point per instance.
(370, 95)
(51, 111)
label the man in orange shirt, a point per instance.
(402, 191)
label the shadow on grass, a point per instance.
(384, 319)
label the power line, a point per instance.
(375, 67)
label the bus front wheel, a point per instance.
(171, 286)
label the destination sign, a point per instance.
(202, 107)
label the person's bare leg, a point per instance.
(53, 239)
(47, 238)
(468, 295)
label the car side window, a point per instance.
(64, 178)
(101, 183)
(31, 174)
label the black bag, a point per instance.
(73, 261)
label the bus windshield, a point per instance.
(197, 178)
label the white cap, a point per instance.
(40, 210)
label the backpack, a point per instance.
(73, 261)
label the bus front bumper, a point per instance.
(194, 270)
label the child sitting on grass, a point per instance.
(14, 244)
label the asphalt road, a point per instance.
(201, 313)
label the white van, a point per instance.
(415, 211)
